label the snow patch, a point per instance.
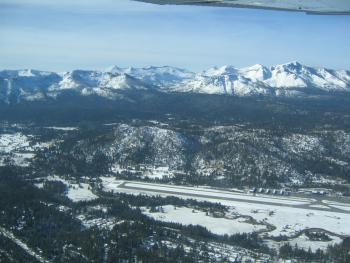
(188, 216)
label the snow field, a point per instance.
(76, 192)
(188, 216)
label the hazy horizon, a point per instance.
(160, 66)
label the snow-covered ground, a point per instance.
(19, 149)
(304, 242)
(187, 216)
(147, 171)
(287, 220)
(158, 173)
(62, 128)
(76, 191)
(102, 223)
(110, 184)
(150, 172)
(80, 192)
(301, 143)
(13, 142)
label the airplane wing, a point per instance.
(321, 7)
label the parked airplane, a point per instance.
(321, 7)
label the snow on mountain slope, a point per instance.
(282, 80)
(222, 84)
(30, 85)
(256, 73)
(296, 75)
(127, 145)
(96, 82)
(290, 79)
(160, 76)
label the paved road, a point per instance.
(308, 206)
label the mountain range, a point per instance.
(291, 79)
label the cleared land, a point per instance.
(289, 216)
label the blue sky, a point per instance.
(94, 34)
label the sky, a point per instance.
(95, 34)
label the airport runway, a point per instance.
(309, 206)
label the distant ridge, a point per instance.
(291, 79)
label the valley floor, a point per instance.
(272, 216)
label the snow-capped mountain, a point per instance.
(99, 83)
(286, 79)
(291, 79)
(30, 85)
(160, 76)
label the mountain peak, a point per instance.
(256, 72)
(294, 65)
(114, 69)
(217, 71)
